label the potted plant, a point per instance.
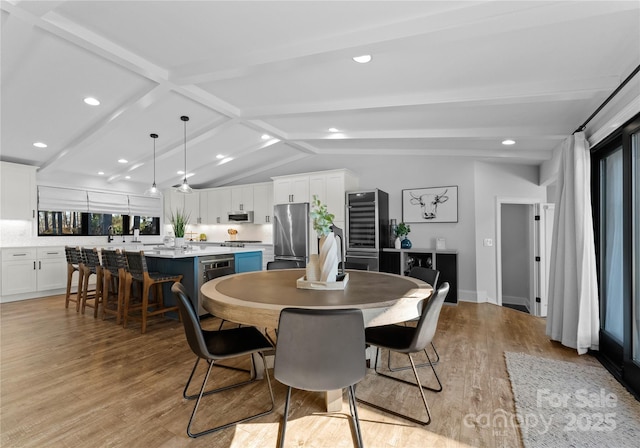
(402, 230)
(179, 221)
(328, 257)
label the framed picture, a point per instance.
(436, 204)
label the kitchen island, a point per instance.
(193, 263)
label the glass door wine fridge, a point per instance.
(366, 228)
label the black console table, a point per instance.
(400, 261)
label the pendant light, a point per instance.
(185, 188)
(153, 191)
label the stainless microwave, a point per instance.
(240, 217)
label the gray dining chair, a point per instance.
(320, 350)
(282, 264)
(429, 276)
(215, 346)
(408, 340)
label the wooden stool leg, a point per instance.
(70, 271)
(145, 305)
(79, 291)
(127, 297)
(120, 283)
(85, 290)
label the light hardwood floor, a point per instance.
(69, 380)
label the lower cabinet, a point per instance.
(399, 261)
(248, 261)
(30, 269)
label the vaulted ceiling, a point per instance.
(264, 81)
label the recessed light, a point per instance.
(333, 130)
(40, 145)
(228, 159)
(508, 142)
(266, 136)
(220, 156)
(91, 101)
(101, 173)
(362, 59)
(127, 177)
(123, 161)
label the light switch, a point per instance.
(488, 242)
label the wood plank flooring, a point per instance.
(69, 380)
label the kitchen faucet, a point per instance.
(110, 237)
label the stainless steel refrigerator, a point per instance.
(367, 228)
(291, 232)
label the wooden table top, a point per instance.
(256, 298)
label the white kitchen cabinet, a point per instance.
(218, 205)
(19, 270)
(52, 268)
(263, 203)
(288, 189)
(18, 191)
(241, 198)
(329, 186)
(30, 269)
(190, 203)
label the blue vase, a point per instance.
(405, 243)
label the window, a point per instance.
(95, 224)
(616, 204)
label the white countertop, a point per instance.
(197, 252)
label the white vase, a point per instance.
(313, 268)
(328, 258)
(398, 243)
(179, 243)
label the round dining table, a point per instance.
(257, 298)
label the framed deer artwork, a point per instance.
(434, 204)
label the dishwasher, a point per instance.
(210, 267)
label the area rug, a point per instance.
(563, 404)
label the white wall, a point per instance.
(494, 181)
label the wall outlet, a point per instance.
(488, 242)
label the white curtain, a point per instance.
(573, 317)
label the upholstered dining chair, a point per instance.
(215, 346)
(282, 264)
(429, 276)
(320, 350)
(408, 340)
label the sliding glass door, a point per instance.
(616, 201)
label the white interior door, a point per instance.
(544, 232)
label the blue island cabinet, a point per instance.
(248, 262)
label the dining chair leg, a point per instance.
(222, 366)
(227, 425)
(417, 384)
(429, 363)
(283, 429)
(398, 369)
(354, 415)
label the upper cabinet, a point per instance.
(218, 205)
(288, 189)
(329, 186)
(18, 191)
(190, 203)
(262, 203)
(242, 199)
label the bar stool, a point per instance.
(89, 266)
(74, 258)
(137, 271)
(113, 281)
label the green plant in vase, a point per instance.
(401, 232)
(179, 222)
(328, 256)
